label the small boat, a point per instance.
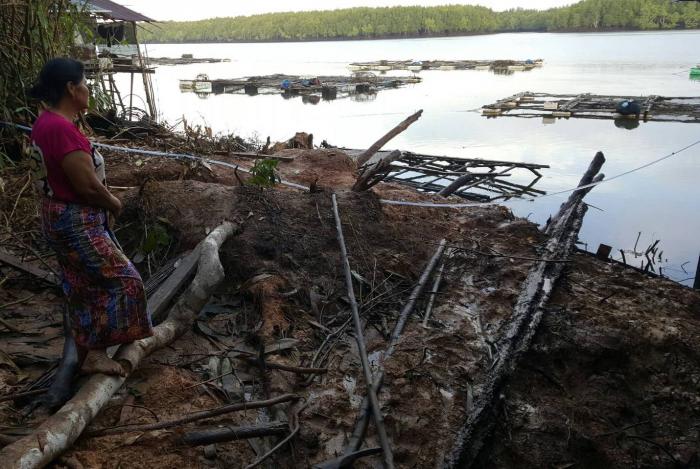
(415, 66)
(695, 71)
(202, 87)
(516, 67)
(186, 85)
(355, 67)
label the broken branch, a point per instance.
(376, 146)
(204, 414)
(278, 366)
(376, 172)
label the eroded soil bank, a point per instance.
(612, 380)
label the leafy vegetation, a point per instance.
(263, 172)
(365, 23)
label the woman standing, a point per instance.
(105, 296)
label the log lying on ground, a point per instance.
(376, 172)
(522, 325)
(207, 436)
(376, 146)
(60, 431)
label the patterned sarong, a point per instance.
(104, 291)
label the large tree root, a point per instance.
(62, 429)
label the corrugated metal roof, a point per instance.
(112, 10)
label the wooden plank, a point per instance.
(160, 300)
(15, 262)
(574, 102)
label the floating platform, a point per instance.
(502, 66)
(322, 87)
(591, 106)
(487, 179)
(184, 60)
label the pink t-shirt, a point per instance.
(54, 137)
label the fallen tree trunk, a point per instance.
(578, 195)
(376, 146)
(62, 429)
(376, 172)
(522, 325)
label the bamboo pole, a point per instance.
(362, 422)
(359, 337)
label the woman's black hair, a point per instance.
(54, 76)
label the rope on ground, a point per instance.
(384, 201)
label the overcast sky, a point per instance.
(199, 9)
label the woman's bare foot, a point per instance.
(97, 361)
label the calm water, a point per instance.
(662, 202)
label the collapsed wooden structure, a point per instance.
(323, 87)
(592, 106)
(445, 65)
(470, 178)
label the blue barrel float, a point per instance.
(629, 108)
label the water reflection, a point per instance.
(363, 97)
(628, 124)
(311, 99)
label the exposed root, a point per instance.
(266, 290)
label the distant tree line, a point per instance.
(368, 23)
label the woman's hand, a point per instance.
(113, 213)
(117, 207)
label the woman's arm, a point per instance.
(81, 173)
